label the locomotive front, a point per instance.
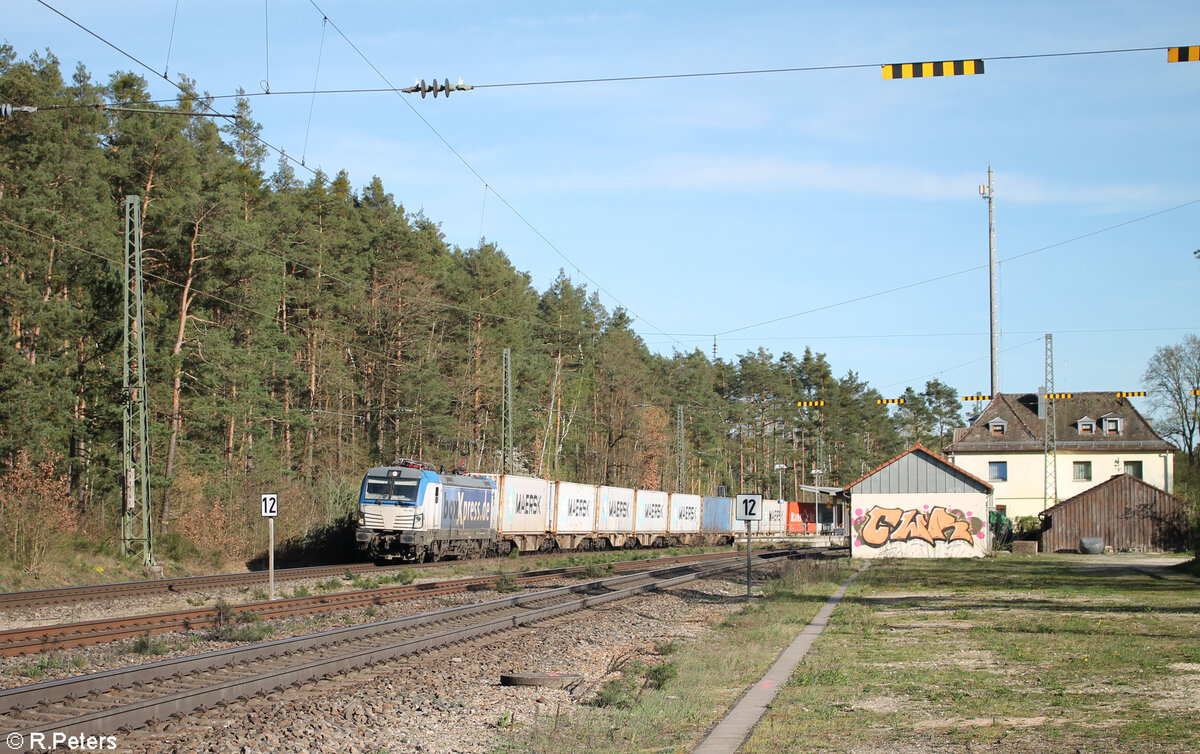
(391, 512)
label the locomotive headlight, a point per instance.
(361, 519)
(419, 521)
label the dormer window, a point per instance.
(1112, 425)
(1086, 426)
(997, 427)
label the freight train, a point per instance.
(411, 511)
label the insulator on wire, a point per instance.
(444, 87)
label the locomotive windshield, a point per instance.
(392, 488)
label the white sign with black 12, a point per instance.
(270, 505)
(748, 508)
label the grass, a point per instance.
(1038, 655)
(1029, 655)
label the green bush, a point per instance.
(172, 546)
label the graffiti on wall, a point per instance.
(880, 526)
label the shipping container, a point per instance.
(574, 508)
(650, 515)
(717, 515)
(526, 504)
(685, 514)
(615, 510)
(774, 519)
(802, 518)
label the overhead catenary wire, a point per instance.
(283, 155)
(707, 74)
(554, 247)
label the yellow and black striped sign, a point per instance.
(882, 401)
(1183, 54)
(1196, 392)
(1057, 396)
(1136, 394)
(977, 397)
(810, 403)
(941, 68)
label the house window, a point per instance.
(1134, 469)
(997, 471)
(997, 426)
(1087, 427)
(1083, 471)
(1112, 426)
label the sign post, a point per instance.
(748, 508)
(270, 509)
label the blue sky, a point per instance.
(710, 205)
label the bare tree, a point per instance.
(1173, 378)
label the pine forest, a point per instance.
(302, 328)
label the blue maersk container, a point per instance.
(717, 515)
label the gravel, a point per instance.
(447, 701)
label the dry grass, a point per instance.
(1043, 655)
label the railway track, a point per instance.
(93, 592)
(23, 641)
(102, 703)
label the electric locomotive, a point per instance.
(411, 511)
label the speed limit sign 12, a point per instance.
(270, 505)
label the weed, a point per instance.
(364, 582)
(301, 591)
(38, 668)
(146, 645)
(506, 583)
(260, 595)
(597, 571)
(230, 625)
(32, 670)
(329, 585)
(634, 677)
(506, 720)
(665, 648)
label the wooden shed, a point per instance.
(1125, 512)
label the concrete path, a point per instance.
(729, 734)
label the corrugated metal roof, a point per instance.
(918, 470)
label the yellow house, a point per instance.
(1099, 435)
